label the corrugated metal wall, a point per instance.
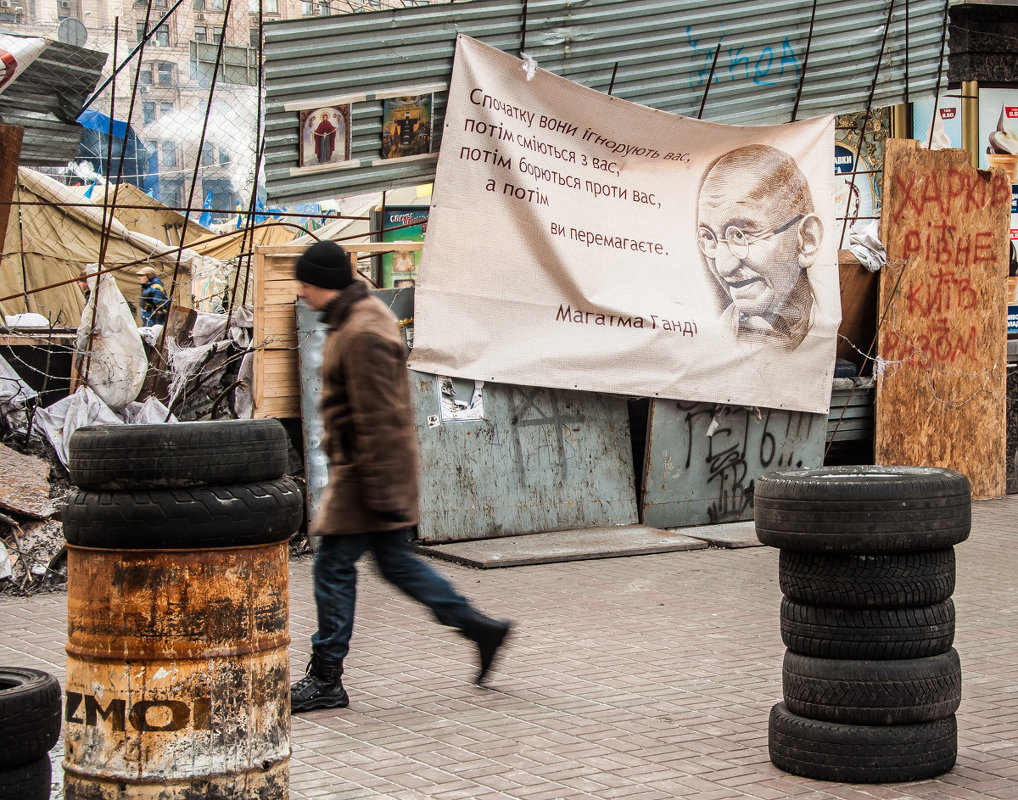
(46, 100)
(664, 50)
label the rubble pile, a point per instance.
(199, 369)
(32, 554)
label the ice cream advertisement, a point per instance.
(998, 139)
(998, 130)
(941, 130)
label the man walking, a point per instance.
(371, 499)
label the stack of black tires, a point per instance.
(870, 679)
(29, 727)
(219, 483)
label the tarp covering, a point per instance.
(227, 247)
(579, 241)
(144, 214)
(52, 237)
(127, 160)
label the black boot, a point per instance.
(321, 687)
(489, 635)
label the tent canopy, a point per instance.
(52, 237)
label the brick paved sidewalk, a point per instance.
(638, 678)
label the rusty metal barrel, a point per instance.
(177, 680)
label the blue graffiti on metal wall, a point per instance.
(763, 71)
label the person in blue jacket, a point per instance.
(154, 302)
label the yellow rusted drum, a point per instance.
(178, 684)
(177, 674)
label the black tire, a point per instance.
(29, 715)
(862, 509)
(867, 633)
(177, 454)
(877, 580)
(903, 692)
(184, 518)
(32, 781)
(831, 751)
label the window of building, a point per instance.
(217, 35)
(159, 3)
(164, 69)
(171, 191)
(270, 6)
(169, 154)
(201, 33)
(324, 8)
(256, 39)
(307, 8)
(139, 30)
(224, 157)
(165, 109)
(216, 5)
(208, 156)
(199, 5)
(145, 76)
(163, 36)
(148, 111)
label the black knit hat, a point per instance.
(325, 264)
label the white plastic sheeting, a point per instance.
(15, 396)
(86, 407)
(114, 364)
(209, 328)
(27, 320)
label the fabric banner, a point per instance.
(16, 53)
(579, 241)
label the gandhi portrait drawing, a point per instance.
(758, 235)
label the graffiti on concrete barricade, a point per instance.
(704, 459)
(729, 459)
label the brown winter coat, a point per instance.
(367, 417)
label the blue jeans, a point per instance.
(335, 582)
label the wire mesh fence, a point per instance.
(131, 146)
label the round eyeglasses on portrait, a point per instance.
(735, 239)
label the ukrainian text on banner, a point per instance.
(578, 241)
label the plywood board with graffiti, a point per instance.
(941, 388)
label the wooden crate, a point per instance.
(277, 387)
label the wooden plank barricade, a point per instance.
(277, 388)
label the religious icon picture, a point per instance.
(324, 135)
(406, 126)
